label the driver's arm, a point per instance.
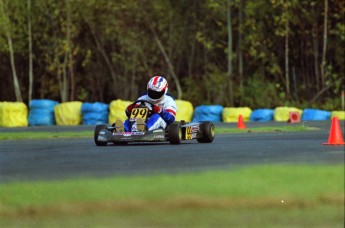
(168, 115)
(169, 112)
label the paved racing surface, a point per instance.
(66, 158)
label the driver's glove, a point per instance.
(157, 109)
(129, 109)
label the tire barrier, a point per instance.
(117, 110)
(231, 114)
(294, 117)
(315, 114)
(339, 114)
(46, 112)
(68, 113)
(262, 115)
(184, 111)
(283, 113)
(42, 112)
(208, 113)
(13, 114)
(95, 113)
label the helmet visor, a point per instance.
(154, 94)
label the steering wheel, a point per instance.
(146, 104)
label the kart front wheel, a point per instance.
(175, 133)
(97, 130)
(207, 132)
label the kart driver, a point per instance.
(164, 108)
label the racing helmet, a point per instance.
(157, 87)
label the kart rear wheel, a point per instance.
(97, 130)
(175, 133)
(207, 132)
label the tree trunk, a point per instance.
(31, 77)
(64, 91)
(107, 60)
(287, 80)
(170, 65)
(105, 57)
(191, 59)
(316, 55)
(240, 53)
(7, 29)
(323, 90)
(60, 79)
(61, 71)
(231, 98)
(324, 49)
(69, 50)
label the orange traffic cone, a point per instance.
(240, 123)
(335, 134)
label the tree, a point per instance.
(324, 47)
(240, 38)
(230, 52)
(167, 60)
(31, 77)
(287, 47)
(7, 27)
(261, 53)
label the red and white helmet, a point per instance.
(157, 87)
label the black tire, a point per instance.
(97, 130)
(207, 132)
(175, 133)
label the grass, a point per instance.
(88, 134)
(276, 195)
(256, 196)
(44, 135)
(318, 216)
(291, 128)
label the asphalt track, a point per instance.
(73, 158)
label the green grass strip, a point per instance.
(285, 182)
(44, 135)
(292, 128)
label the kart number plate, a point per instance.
(139, 113)
(189, 133)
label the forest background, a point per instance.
(255, 53)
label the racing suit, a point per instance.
(162, 118)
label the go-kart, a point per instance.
(174, 133)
